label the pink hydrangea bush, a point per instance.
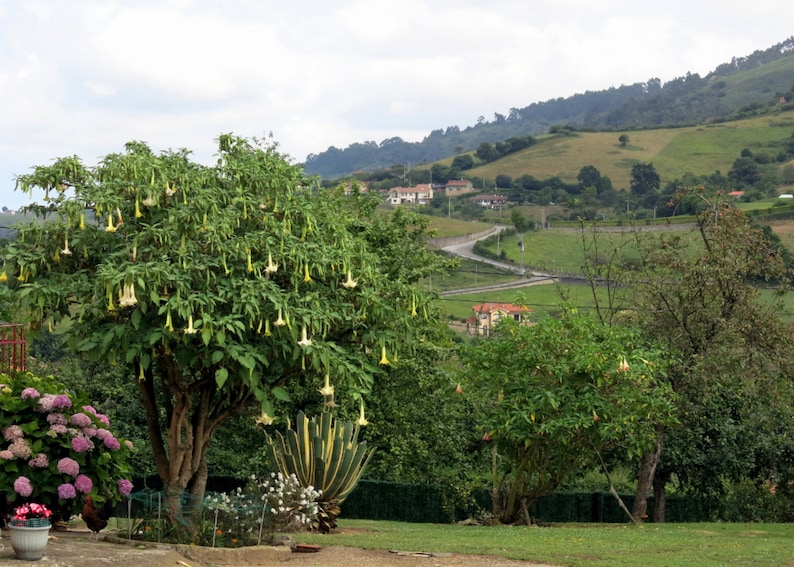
(55, 448)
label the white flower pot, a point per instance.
(29, 542)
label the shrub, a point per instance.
(56, 449)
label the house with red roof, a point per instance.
(486, 315)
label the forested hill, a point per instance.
(745, 86)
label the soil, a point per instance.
(74, 548)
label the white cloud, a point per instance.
(83, 76)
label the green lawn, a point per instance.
(582, 545)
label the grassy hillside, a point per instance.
(700, 150)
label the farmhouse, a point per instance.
(458, 187)
(417, 195)
(489, 314)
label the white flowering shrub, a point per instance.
(254, 515)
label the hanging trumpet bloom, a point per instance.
(190, 330)
(271, 268)
(279, 322)
(306, 277)
(413, 307)
(66, 251)
(267, 328)
(82, 220)
(250, 264)
(169, 192)
(118, 214)
(350, 283)
(305, 340)
(264, 419)
(4, 276)
(362, 421)
(148, 202)
(327, 390)
(110, 227)
(458, 389)
(141, 375)
(623, 366)
(128, 298)
(169, 325)
(383, 360)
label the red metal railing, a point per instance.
(12, 347)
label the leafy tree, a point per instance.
(217, 287)
(745, 171)
(519, 221)
(463, 162)
(588, 176)
(644, 179)
(623, 139)
(696, 298)
(503, 181)
(486, 152)
(553, 396)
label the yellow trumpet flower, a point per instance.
(327, 390)
(305, 340)
(82, 220)
(169, 325)
(279, 322)
(350, 283)
(306, 277)
(623, 366)
(128, 298)
(250, 264)
(383, 360)
(271, 268)
(4, 276)
(110, 227)
(267, 328)
(190, 330)
(362, 421)
(264, 419)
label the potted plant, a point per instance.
(30, 530)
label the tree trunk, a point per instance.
(659, 496)
(648, 463)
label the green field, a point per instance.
(700, 150)
(575, 545)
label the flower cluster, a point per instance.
(30, 511)
(55, 447)
(255, 514)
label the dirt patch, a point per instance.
(74, 549)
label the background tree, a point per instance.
(623, 139)
(216, 287)
(463, 162)
(486, 151)
(644, 179)
(696, 298)
(588, 176)
(554, 395)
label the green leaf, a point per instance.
(281, 394)
(217, 356)
(221, 375)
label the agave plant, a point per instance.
(323, 454)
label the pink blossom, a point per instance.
(89, 431)
(23, 487)
(40, 461)
(6, 455)
(125, 486)
(62, 401)
(89, 409)
(30, 393)
(103, 418)
(12, 432)
(20, 448)
(81, 420)
(80, 444)
(101, 434)
(111, 443)
(83, 484)
(47, 402)
(69, 466)
(57, 418)
(66, 491)
(58, 428)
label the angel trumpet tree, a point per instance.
(215, 330)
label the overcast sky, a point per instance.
(84, 77)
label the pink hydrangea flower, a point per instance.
(103, 418)
(6, 455)
(12, 432)
(58, 428)
(23, 487)
(80, 444)
(20, 448)
(81, 420)
(90, 431)
(62, 401)
(125, 486)
(30, 393)
(83, 484)
(69, 466)
(67, 491)
(46, 402)
(111, 443)
(57, 419)
(40, 461)
(89, 409)
(102, 433)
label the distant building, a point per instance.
(489, 314)
(362, 187)
(458, 187)
(491, 201)
(416, 195)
